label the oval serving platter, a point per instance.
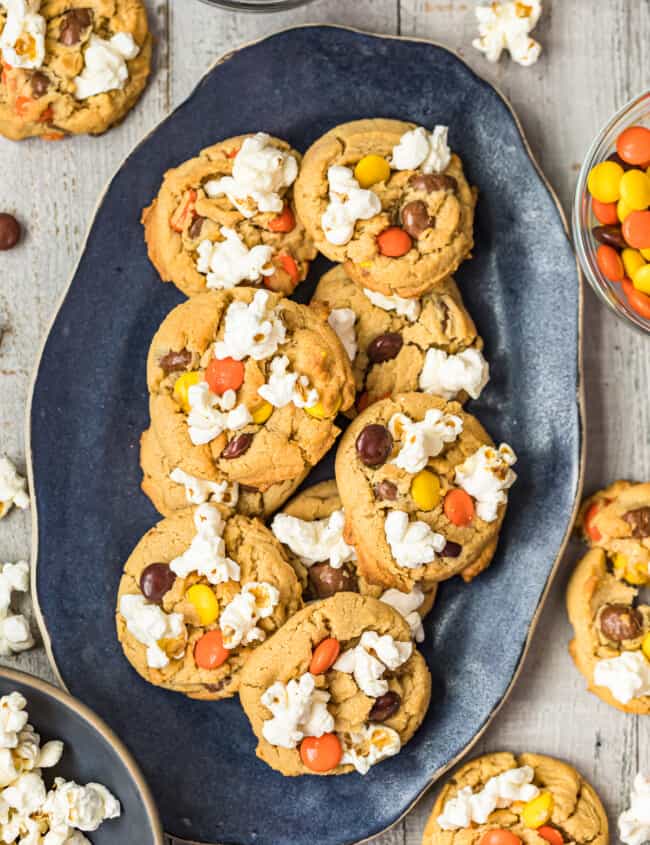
(89, 407)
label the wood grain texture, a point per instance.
(593, 62)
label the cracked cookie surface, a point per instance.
(285, 442)
(260, 558)
(577, 812)
(40, 101)
(184, 216)
(288, 655)
(391, 347)
(447, 202)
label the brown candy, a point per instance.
(639, 522)
(237, 446)
(431, 182)
(73, 26)
(156, 580)
(451, 549)
(9, 231)
(385, 706)
(386, 490)
(325, 580)
(174, 361)
(195, 229)
(40, 84)
(416, 218)
(610, 235)
(620, 622)
(385, 347)
(374, 445)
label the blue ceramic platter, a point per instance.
(89, 407)
(91, 754)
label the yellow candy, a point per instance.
(205, 603)
(623, 210)
(635, 189)
(318, 411)
(641, 278)
(622, 569)
(645, 646)
(538, 811)
(260, 415)
(632, 261)
(645, 253)
(604, 181)
(425, 490)
(182, 386)
(371, 169)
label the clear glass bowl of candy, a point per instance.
(611, 213)
(257, 5)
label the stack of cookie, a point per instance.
(313, 617)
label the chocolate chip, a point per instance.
(174, 361)
(610, 235)
(237, 446)
(217, 687)
(195, 229)
(325, 580)
(431, 182)
(9, 231)
(374, 445)
(385, 347)
(385, 706)
(639, 522)
(40, 84)
(451, 549)
(620, 622)
(156, 580)
(73, 26)
(386, 490)
(416, 218)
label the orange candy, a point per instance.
(459, 507)
(324, 656)
(321, 753)
(284, 222)
(288, 263)
(590, 529)
(551, 834)
(224, 374)
(499, 836)
(633, 145)
(636, 229)
(184, 211)
(394, 242)
(209, 651)
(639, 302)
(609, 263)
(22, 105)
(604, 212)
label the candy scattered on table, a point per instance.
(13, 487)
(620, 196)
(30, 812)
(9, 231)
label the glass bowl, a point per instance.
(635, 112)
(257, 5)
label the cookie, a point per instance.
(424, 491)
(70, 66)
(403, 345)
(227, 217)
(199, 593)
(310, 529)
(611, 644)
(339, 688)
(390, 201)
(617, 519)
(244, 387)
(505, 799)
(170, 489)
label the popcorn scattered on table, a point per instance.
(506, 26)
(29, 813)
(15, 634)
(13, 487)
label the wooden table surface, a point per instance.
(593, 60)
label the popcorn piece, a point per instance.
(105, 67)
(15, 634)
(149, 624)
(210, 415)
(298, 710)
(368, 746)
(12, 488)
(199, 490)
(253, 330)
(409, 308)
(486, 475)
(412, 544)
(238, 620)
(229, 262)
(285, 386)
(369, 660)
(424, 439)
(315, 540)
(207, 552)
(348, 202)
(506, 26)
(446, 375)
(419, 149)
(342, 320)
